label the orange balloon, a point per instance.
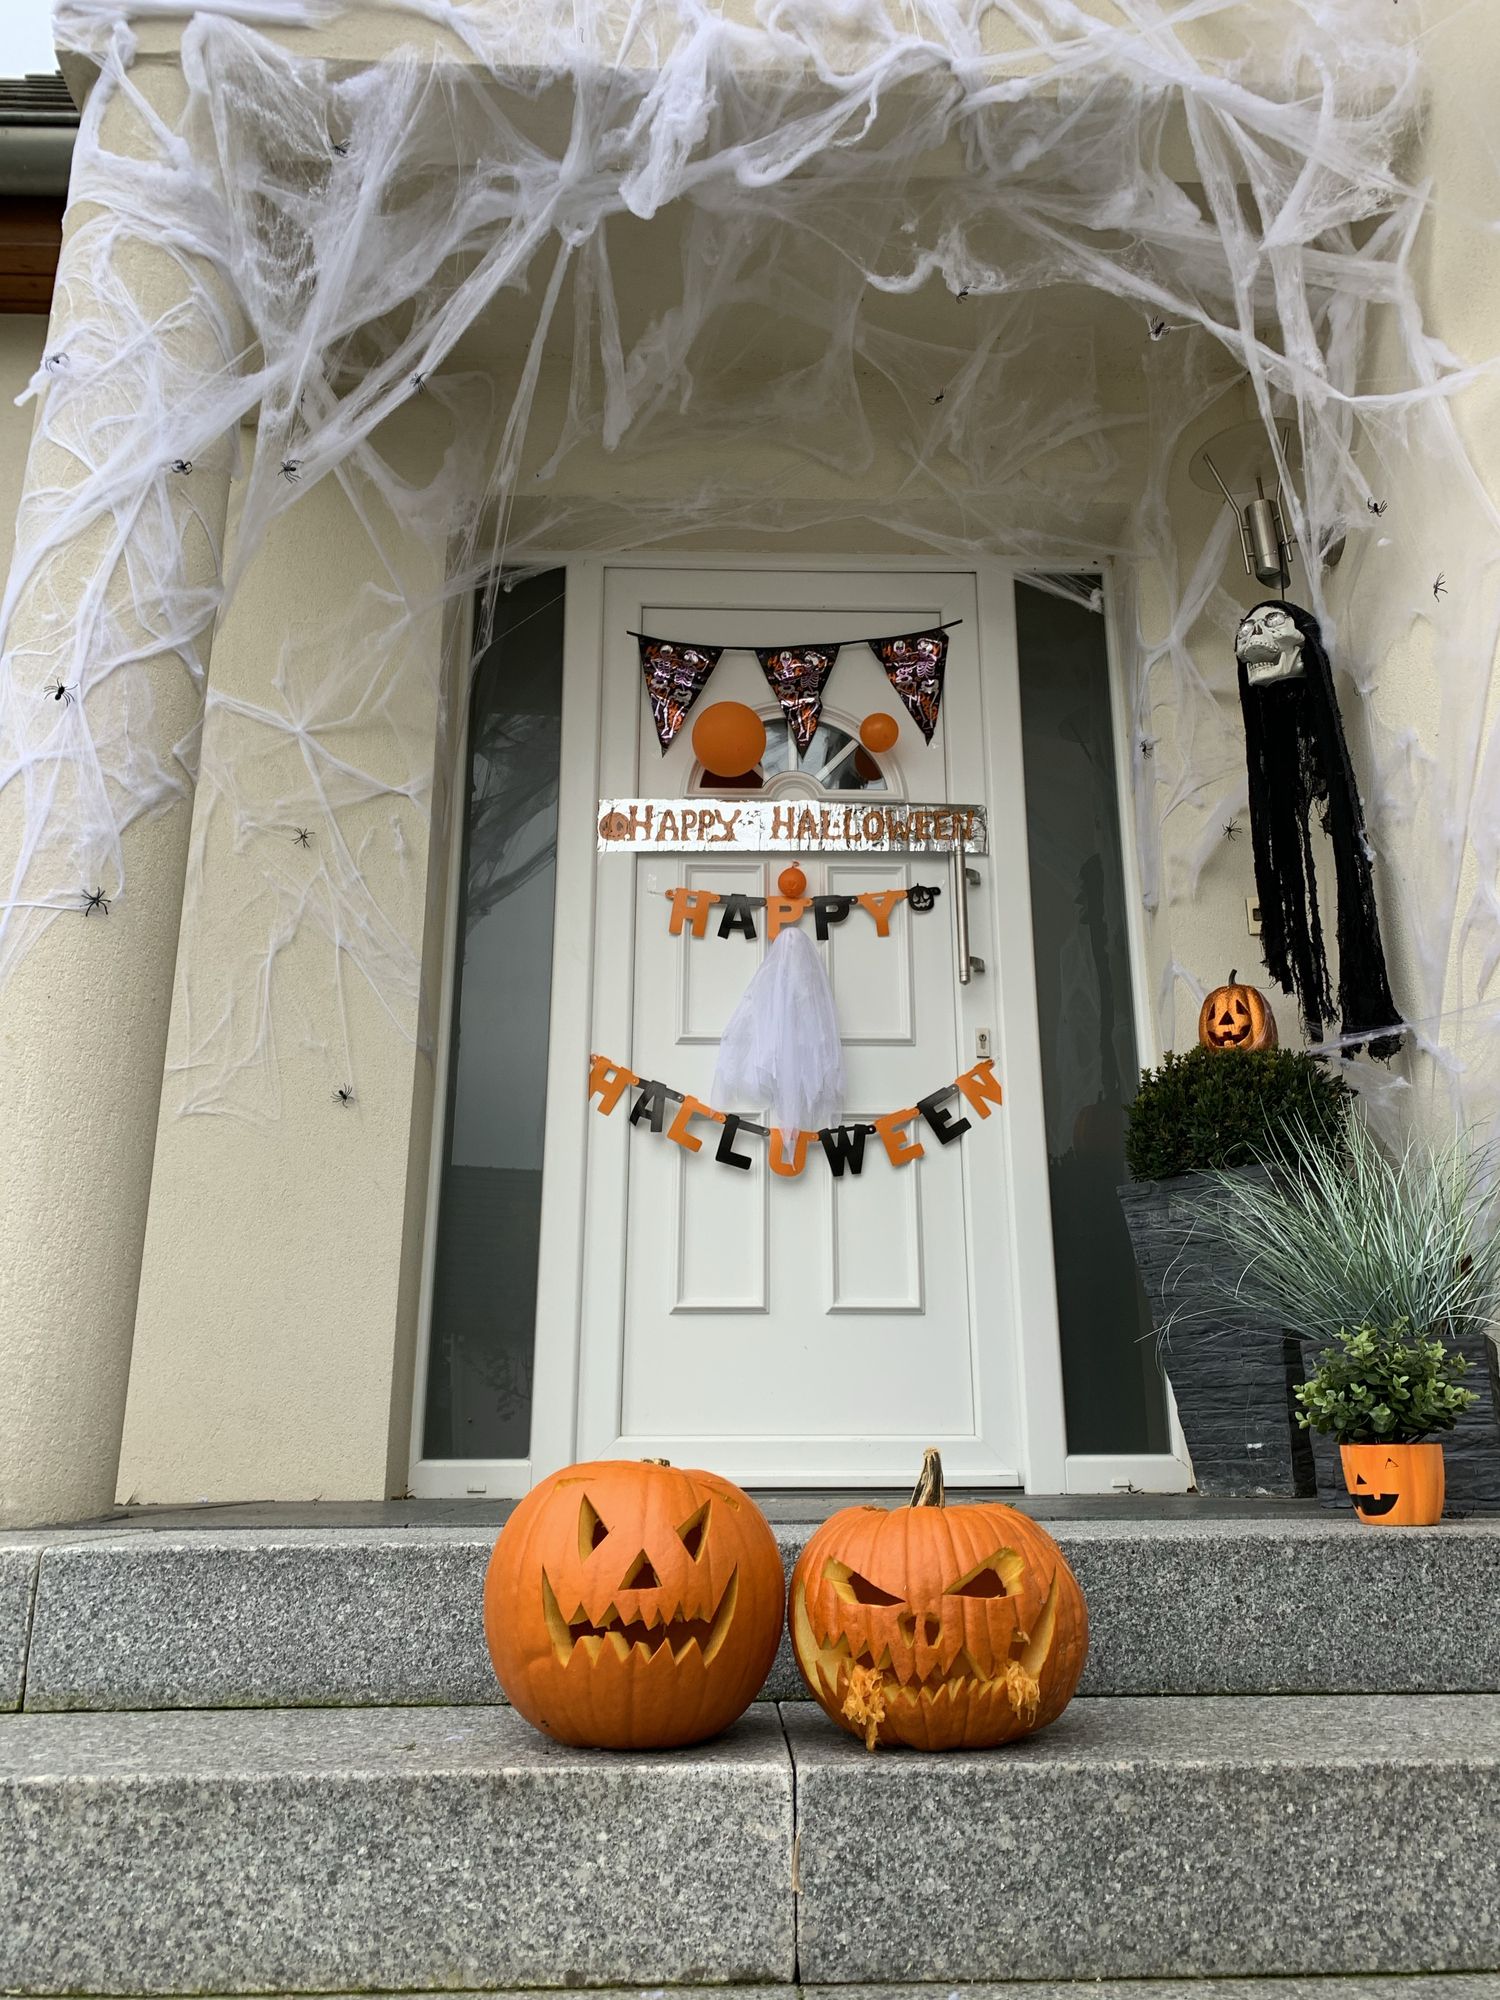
(792, 882)
(729, 737)
(879, 731)
(864, 763)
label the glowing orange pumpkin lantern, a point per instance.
(946, 1628)
(729, 738)
(633, 1606)
(1236, 1017)
(1395, 1485)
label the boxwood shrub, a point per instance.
(1223, 1107)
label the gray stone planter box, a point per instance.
(1232, 1375)
(1471, 1450)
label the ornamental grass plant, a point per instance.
(1341, 1236)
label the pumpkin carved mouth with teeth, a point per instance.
(942, 1628)
(633, 1606)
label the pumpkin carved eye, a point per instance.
(591, 1530)
(694, 1529)
(997, 1576)
(854, 1588)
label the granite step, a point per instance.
(1361, 1986)
(444, 1850)
(140, 1618)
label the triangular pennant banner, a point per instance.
(798, 675)
(914, 667)
(675, 677)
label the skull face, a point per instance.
(1268, 646)
(941, 1628)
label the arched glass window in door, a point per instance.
(836, 761)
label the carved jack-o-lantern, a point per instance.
(945, 1628)
(633, 1605)
(1395, 1485)
(1236, 1017)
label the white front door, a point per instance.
(816, 1328)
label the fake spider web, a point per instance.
(952, 279)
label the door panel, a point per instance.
(808, 1329)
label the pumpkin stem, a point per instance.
(1233, 976)
(928, 1491)
(656, 1461)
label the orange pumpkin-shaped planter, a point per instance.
(1236, 1017)
(1395, 1485)
(632, 1605)
(946, 1628)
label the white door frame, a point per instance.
(1046, 1465)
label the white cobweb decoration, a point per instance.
(951, 278)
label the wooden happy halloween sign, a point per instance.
(843, 1146)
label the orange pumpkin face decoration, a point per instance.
(633, 1606)
(1395, 1485)
(1236, 1017)
(945, 1628)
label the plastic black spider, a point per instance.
(339, 146)
(60, 693)
(1440, 586)
(1231, 830)
(291, 470)
(301, 837)
(55, 363)
(1156, 328)
(963, 294)
(1147, 747)
(419, 383)
(940, 395)
(1377, 507)
(183, 465)
(98, 901)
(344, 1095)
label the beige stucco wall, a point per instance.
(275, 1326)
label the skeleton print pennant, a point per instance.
(675, 677)
(798, 675)
(914, 666)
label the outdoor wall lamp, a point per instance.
(1240, 461)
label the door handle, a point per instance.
(963, 875)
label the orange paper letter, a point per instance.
(776, 1153)
(690, 1107)
(980, 1088)
(880, 903)
(897, 1145)
(782, 910)
(609, 1082)
(692, 904)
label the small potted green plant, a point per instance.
(1387, 1263)
(1380, 1396)
(1204, 1114)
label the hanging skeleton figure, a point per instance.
(1298, 760)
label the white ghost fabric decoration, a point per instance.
(781, 1051)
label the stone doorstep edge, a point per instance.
(19, 1570)
(245, 1641)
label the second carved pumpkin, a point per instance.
(945, 1628)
